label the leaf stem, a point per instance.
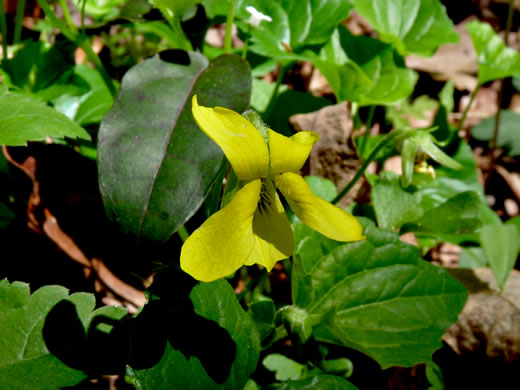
(229, 26)
(279, 79)
(83, 4)
(387, 139)
(72, 35)
(500, 94)
(465, 114)
(67, 16)
(20, 9)
(368, 126)
(3, 29)
(183, 233)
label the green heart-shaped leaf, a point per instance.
(379, 297)
(411, 26)
(34, 323)
(495, 59)
(388, 80)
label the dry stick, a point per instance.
(387, 139)
(53, 230)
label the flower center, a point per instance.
(264, 204)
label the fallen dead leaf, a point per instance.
(489, 325)
(457, 61)
(318, 84)
(334, 156)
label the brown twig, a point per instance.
(52, 229)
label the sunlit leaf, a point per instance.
(379, 297)
(495, 60)
(390, 81)
(295, 23)
(412, 26)
(500, 244)
(283, 367)
(27, 119)
(49, 319)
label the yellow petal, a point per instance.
(289, 154)
(240, 141)
(329, 220)
(224, 241)
(273, 234)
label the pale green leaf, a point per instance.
(27, 119)
(508, 134)
(283, 367)
(500, 244)
(495, 60)
(411, 26)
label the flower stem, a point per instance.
(20, 8)
(368, 126)
(183, 233)
(279, 79)
(3, 29)
(67, 16)
(500, 94)
(387, 139)
(72, 35)
(229, 26)
(465, 114)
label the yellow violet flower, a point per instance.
(252, 227)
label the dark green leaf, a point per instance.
(412, 26)
(508, 136)
(193, 336)
(434, 376)
(6, 215)
(500, 244)
(390, 80)
(379, 297)
(322, 382)
(33, 324)
(263, 312)
(27, 119)
(38, 68)
(495, 59)
(155, 165)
